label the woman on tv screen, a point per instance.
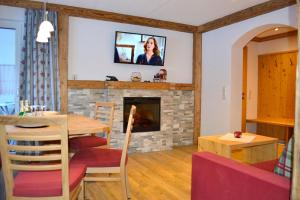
(151, 55)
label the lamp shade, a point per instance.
(43, 36)
(44, 33)
(47, 26)
(42, 39)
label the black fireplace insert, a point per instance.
(147, 117)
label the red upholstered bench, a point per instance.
(215, 177)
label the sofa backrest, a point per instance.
(215, 177)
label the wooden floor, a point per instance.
(157, 175)
(160, 175)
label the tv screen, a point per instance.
(142, 49)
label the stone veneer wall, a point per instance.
(177, 116)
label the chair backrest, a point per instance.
(36, 149)
(105, 112)
(128, 135)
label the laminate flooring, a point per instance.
(164, 175)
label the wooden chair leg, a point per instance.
(127, 184)
(81, 194)
(123, 184)
(83, 189)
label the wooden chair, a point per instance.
(104, 112)
(41, 171)
(108, 161)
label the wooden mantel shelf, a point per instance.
(82, 84)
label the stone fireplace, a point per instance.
(176, 116)
(147, 117)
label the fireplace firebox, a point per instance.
(147, 117)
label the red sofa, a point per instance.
(218, 178)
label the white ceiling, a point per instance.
(193, 12)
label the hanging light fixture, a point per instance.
(45, 28)
(43, 36)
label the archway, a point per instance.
(237, 70)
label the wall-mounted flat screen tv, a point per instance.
(142, 49)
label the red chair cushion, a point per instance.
(96, 157)
(78, 143)
(266, 165)
(46, 183)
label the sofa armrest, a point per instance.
(215, 177)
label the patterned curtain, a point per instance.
(39, 71)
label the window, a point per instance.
(8, 72)
(10, 49)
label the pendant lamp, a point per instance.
(45, 28)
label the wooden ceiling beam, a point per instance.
(247, 13)
(102, 15)
(277, 36)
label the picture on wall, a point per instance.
(142, 49)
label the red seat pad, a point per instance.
(266, 165)
(46, 183)
(96, 157)
(78, 143)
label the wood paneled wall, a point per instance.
(276, 90)
(276, 85)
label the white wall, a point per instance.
(255, 49)
(222, 69)
(91, 52)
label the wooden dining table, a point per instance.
(77, 125)
(80, 124)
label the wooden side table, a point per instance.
(260, 149)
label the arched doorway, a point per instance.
(237, 72)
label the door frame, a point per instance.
(244, 89)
